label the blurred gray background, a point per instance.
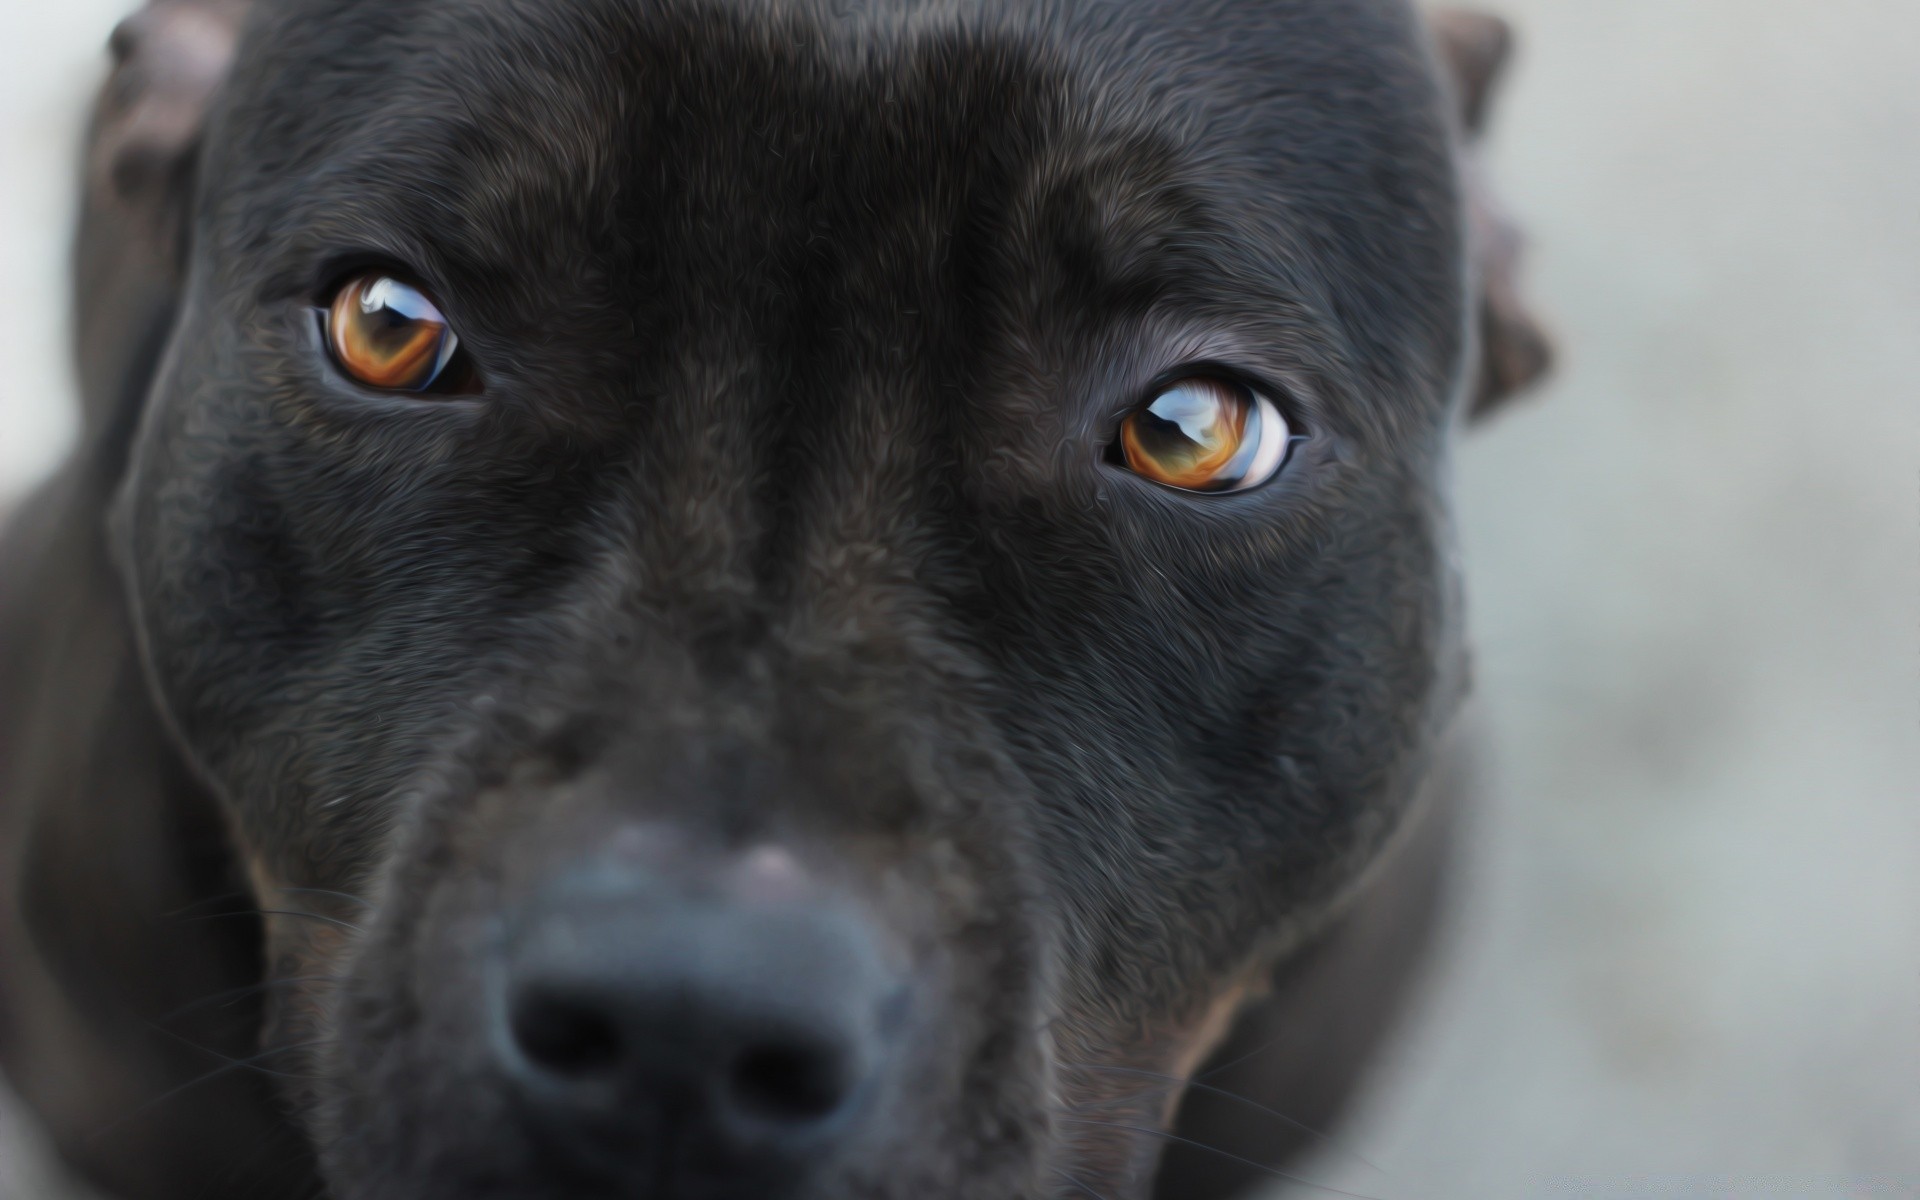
(1685, 960)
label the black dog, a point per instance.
(802, 600)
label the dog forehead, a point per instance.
(587, 94)
(649, 161)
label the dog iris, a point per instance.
(1205, 435)
(388, 335)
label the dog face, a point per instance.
(779, 594)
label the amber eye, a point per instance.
(1205, 435)
(388, 335)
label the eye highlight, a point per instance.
(1205, 434)
(387, 334)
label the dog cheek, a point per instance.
(308, 940)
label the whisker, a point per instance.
(240, 993)
(1173, 1082)
(1238, 1059)
(220, 898)
(228, 1059)
(347, 896)
(275, 912)
(288, 912)
(227, 1067)
(1276, 1172)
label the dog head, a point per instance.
(774, 592)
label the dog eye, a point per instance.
(1205, 434)
(388, 335)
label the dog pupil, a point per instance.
(1166, 439)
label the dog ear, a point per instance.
(1514, 350)
(139, 168)
(1474, 47)
(128, 951)
(168, 62)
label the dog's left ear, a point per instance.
(1514, 350)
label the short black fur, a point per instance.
(784, 513)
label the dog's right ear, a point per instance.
(124, 1005)
(169, 60)
(1515, 351)
(142, 154)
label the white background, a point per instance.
(1686, 956)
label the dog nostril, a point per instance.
(788, 1084)
(566, 1037)
(735, 1039)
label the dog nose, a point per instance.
(713, 1040)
